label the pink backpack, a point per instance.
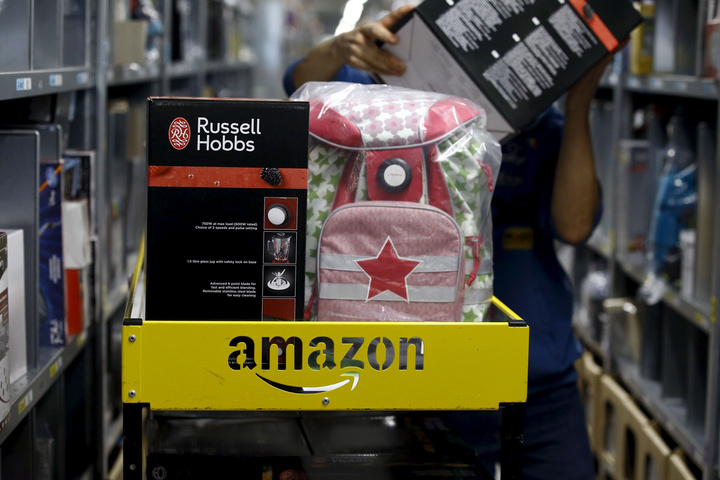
(399, 205)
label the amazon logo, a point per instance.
(321, 353)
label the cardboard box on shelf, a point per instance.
(129, 42)
(514, 60)
(227, 196)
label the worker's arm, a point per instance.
(356, 48)
(576, 191)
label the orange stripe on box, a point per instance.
(223, 177)
(597, 26)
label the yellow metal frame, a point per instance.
(199, 365)
(210, 365)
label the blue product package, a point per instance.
(51, 298)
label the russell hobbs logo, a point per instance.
(179, 133)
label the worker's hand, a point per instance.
(580, 95)
(358, 47)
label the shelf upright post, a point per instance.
(512, 439)
(133, 455)
(621, 99)
(165, 46)
(101, 49)
(712, 404)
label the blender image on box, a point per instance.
(279, 247)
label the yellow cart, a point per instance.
(321, 366)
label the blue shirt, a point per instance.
(528, 276)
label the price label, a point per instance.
(23, 84)
(55, 367)
(82, 78)
(25, 402)
(657, 83)
(56, 80)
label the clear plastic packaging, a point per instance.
(399, 225)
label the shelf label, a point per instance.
(55, 367)
(681, 86)
(657, 83)
(23, 84)
(25, 402)
(82, 78)
(56, 80)
(713, 309)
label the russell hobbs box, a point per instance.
(227, 194)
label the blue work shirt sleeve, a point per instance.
(345, 74)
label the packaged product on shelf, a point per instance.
(4, 334)
(712, 48)
(51, 300)
(642, 39)
(78, 231)
(514, 60)
(594, 290)
(19, 163)
(31, 192)
(399, 225)
(227, 196)
(145, 10)
(15, 277)
(635, 186)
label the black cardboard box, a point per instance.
(513, 58)
(225, 241)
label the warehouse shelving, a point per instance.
(64, 419)
(673, 375)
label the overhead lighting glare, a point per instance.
(351, 15)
